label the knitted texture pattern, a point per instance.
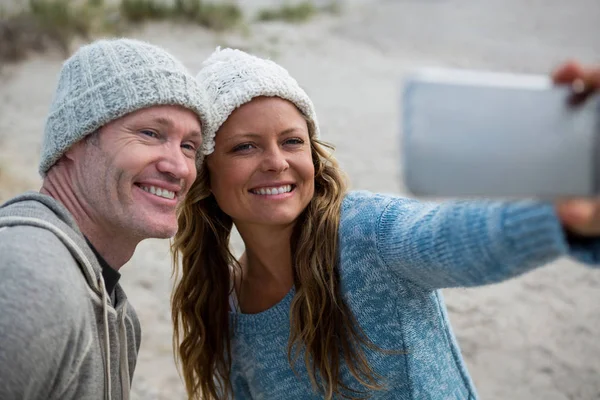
(395, 253)
(108, 79)
(231, 78)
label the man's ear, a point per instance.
(76, 150)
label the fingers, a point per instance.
(580, 216)
(584, 81)
(572, 72)
(567, 72)
(593, 78)
(576, 212)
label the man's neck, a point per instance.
(115, 247)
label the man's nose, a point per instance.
(175, 163)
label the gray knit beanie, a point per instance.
(108, 79)
(230, 78)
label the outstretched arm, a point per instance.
(470, 243)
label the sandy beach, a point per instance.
(535, 337)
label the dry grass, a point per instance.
(55, 23)
(298, 13)
(43, 24)
(218, 17)
(144, 10)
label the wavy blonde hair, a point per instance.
(321, 323)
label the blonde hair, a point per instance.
(321, 323)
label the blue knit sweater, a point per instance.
(394, 255)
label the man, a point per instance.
(118, 155)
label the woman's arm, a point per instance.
(470, 243)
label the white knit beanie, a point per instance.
(231, 78)
(108, 79)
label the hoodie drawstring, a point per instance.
(107, 371)
(124, 359)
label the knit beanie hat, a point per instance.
(231, 78)
(108, 79)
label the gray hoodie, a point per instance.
(60, 335)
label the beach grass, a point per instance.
(298, 12)
(41, 24)
(38, 25)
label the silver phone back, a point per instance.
(493, 134)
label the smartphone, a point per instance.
(491, 134)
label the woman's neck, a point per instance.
(267, 271)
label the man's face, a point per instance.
(132, 173)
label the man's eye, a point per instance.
(190, 147)
(149, 133)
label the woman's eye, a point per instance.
(294, 141)
(242, 147)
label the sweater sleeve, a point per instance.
(38, 320)
(470, 243)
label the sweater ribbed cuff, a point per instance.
(533, 232)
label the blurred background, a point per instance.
(536, 337)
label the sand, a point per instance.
(535, 337)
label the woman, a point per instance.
(336, 293)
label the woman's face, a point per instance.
(261, 171)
